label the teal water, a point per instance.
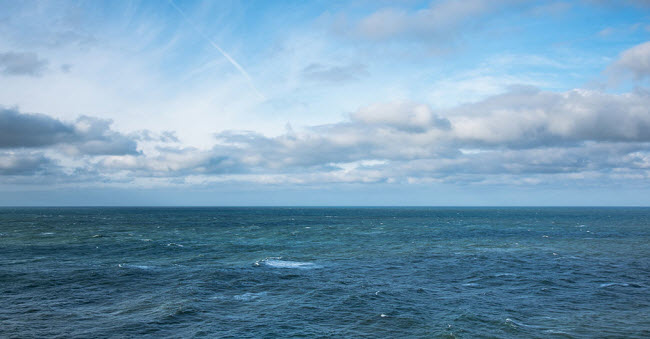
(325, 272)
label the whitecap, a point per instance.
(557, 332)
(276, 262)
(470, 285)
(614, 284)
(140, 267)
(249, 296)
(519, 324)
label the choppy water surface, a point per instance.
(325, 272)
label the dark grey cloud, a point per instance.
(22, 63)
(32, 130)
(22, 164)
(87, 136)
(334, 73)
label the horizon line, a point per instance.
(324, 206)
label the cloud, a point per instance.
(525, 131)
(406, 116)
(86, 136)
(633, 62)
(12, 163)
(15, 63)
(531, 118)
(31, 130)
(333, 73)
(440, 20)
(94, 136)
(524, 136)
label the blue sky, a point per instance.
(325, 102)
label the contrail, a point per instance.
(214, 44)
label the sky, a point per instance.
(474, 102)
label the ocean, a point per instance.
(325, 272)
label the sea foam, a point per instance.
(277, 262)
(249, 296)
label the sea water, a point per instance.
(325, 272)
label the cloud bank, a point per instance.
(524, 136)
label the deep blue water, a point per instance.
(325, 272)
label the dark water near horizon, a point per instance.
(325, 272)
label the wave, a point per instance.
(517, 323)
(277, 262)
(249, 296)
(612, 284)
(559, 333)
(140, 267)
(505, 275)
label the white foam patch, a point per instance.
(139, 267)
(249, 296)
(471, 285)
(612, 284)
(279, 263)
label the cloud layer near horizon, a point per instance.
(526, 135)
